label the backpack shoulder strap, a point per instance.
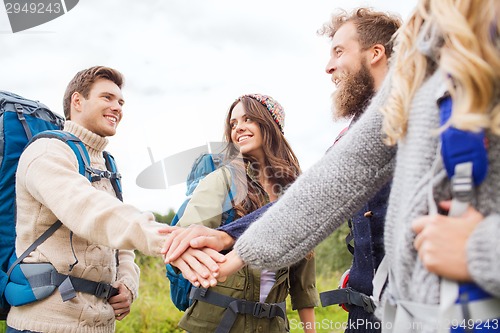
(82, 155)
(35, 244)
(84, 169)
(229, 183)
(230, 215)
(464, 156)
(115, 176)
(75, 144)
(92, 175)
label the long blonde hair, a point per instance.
(468, 51)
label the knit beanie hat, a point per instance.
(272, 106)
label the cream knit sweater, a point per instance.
(49, 187)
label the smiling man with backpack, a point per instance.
(96, 284)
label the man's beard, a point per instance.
(354, 94)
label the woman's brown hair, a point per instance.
(281, 165)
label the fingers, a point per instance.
(201, 263)
(203, 267)
(206, 241)
(441, 241)
(167, 229)
(121, 315)
(215, 256)
(172, 240)
(419, 224)
(215, 239)
(471, 214)
(179, 245)
(424, 227)
(124, 296)
(121, 302)
(186, 271)
(182, 239)
(193, 270)
(445, 205)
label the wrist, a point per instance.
(227, 241)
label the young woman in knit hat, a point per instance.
(250, 300)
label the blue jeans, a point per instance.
(13, 330)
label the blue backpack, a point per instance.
(180, 288)
(465, 159)
(23, 121)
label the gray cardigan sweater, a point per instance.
(334, 188)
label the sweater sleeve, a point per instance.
(324, 196)
(49, 171)
(129, 272)
(483, 253)
(207, 202)
(238, 227)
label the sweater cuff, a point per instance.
(131, 286)
(483, 251)
(247, 253)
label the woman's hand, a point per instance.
(441, 242)
(200, 267)
(232, 264)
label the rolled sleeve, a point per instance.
(303, 290)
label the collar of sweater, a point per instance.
(94, 142)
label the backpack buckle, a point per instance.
(105, 174)
(368, 304)
(461, 182)
(19, 108)
(262, 310)
(105, 290)
(116, 175)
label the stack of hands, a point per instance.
(441, 243)
(195, 252)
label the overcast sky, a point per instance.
(185, 62)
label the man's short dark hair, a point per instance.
(83, 81)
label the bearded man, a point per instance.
(359, 56)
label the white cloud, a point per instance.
(185, 62)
